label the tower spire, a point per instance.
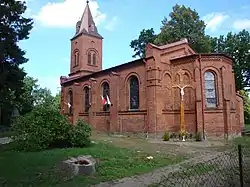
(86, 24)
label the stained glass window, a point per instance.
(134, 92)
(70, 102)
(86, 99)
(105, 93)
(210, 90)
(94, 59)
(89, 58)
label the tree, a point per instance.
(246, 102)
(146, 36)
(184, 23)
(238, 47)
(13, 28)
(26, 101)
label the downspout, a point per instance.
(202, 99)
(147, 123)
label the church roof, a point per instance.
(203, 55)
(86, 25)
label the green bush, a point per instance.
(173, 135)
(198, 137)
(79, 134)
(41, 128)
(166, 136)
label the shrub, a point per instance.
(173, 135)
(79, 135)
(198, 137)
(41, 128)
(166, 136)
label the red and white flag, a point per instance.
(108, 100)
(104, 102)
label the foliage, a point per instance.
(173, 135)
(26, 102)
(34, 95)
(182, 133)
(80, 134)
(166, 136)
(139, 45)
(41, 128)
(236, 46)
(246, 103)
(198, 137)
(184, 23)
(14, 27)
(39, 168)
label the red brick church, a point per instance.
(144, 95)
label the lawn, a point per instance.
(247, 126)
(40, 168)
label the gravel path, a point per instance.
(5, 140)
(156, 175)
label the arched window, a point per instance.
(210, 89)
(89, 58)
(106, 92)
(70, 102)
(76, 58)
(134, 92)
(94, 59)
(86, 99)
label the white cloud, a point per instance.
(111, 24)
(214, 20)
(67, 13)
(242, 24)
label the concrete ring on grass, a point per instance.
(81, 165)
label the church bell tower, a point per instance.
(86, 46)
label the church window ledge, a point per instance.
(103, 113)
(213, 110)
(83, 114)
(134, 112)
(92, 65)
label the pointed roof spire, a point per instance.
(87, 24)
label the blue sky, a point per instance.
(119, 22)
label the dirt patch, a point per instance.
(153, 146)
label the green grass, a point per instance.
(40, 168)
(247, 126)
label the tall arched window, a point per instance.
(76, 58)
(94, 59)
(134, 92)
(70, 102)
(89, 58)
(210, 89)
(86, 99)
(106, 92)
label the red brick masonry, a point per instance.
(159, 101)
